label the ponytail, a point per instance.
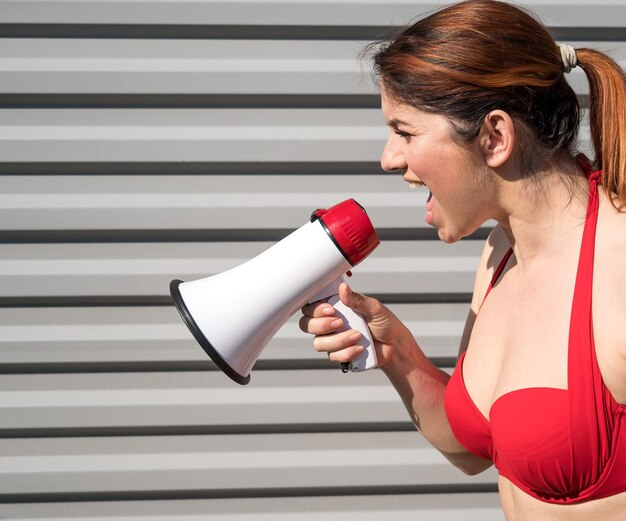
(607, 115)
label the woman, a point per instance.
(480, 112)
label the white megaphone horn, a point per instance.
(234, 314)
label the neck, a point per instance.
(540, 215)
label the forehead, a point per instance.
(396, 111)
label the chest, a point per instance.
(521, 335)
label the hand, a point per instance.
(342, 346)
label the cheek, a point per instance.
(461, 201)
(443, 168)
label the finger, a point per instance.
(318, 309)
(320, 326)
(336, 342)
(347, 354)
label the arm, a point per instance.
(420, 384)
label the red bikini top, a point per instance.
(559, 446)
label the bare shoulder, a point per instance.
(612, 260)
(610, 298)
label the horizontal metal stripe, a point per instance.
(200, 203)
(149, 300)
(133, 323)
(133, 270)
(158, 366)
(226, 235)
(256, 73)
(200, 168)
(224, 465)
(175, 101)
(48, 340)
(424, 298)
(138, 236)
(203, 135)
(177, 367)
(210, 388)
(364, 144)
(320, 427)
(219, 124)
(241, 466)
(192, 31)
(205, 401)
(206, 101)
(474, 506)
(209, 430)
(223, 56)
(581, 33)
(239, 446)
(260, 32)
(62, 301)
(196, 135)
(84, 301)
(344, 13)
(304, 492)
(251, 206)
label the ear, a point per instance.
(497, 138)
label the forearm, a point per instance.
(422, 385)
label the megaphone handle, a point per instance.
(353, 320)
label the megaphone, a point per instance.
(234, 314)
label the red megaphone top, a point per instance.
(350, 228)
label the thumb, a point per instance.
(366, 306)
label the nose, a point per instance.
(392, 158)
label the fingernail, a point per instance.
(336, 323)
(328, 310)
(355, 336)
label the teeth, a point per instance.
(414, 184)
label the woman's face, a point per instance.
(422, 146)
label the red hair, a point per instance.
(607, 115)
(480, 55)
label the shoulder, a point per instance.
(616, 286)
(609, 299)
(610, 262)
(611, 337)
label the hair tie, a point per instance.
(568, 57)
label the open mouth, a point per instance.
(430, 203)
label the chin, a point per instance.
(452, 235)
(449, 238)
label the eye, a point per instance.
(405, 135)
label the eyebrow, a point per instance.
(395, 122)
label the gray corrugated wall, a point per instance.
(142, 141)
